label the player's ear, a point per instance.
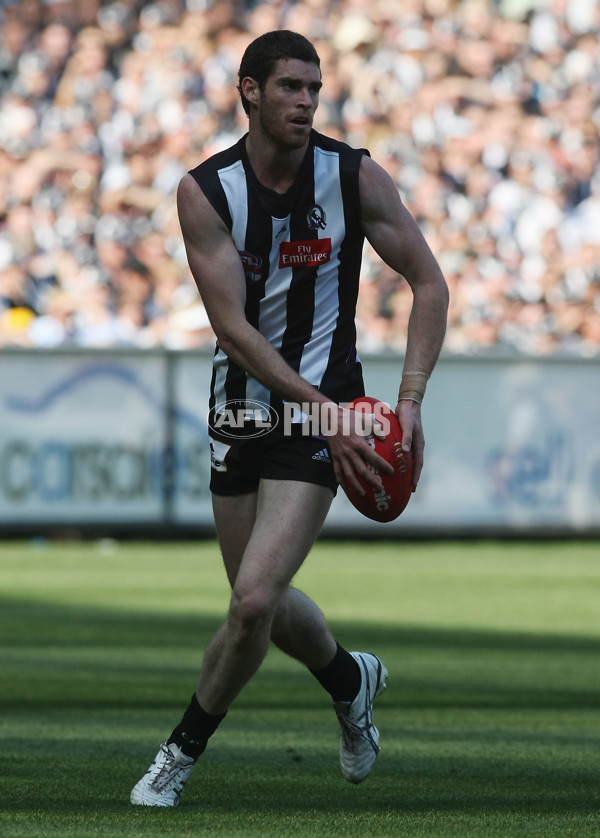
(251, 90)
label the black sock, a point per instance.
(341, 677)
(196, 727)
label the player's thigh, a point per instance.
(234, 520)
(289, 517)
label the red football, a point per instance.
(387, 502)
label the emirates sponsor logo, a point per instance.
(311, 253)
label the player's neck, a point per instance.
(275, 167)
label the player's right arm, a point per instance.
(218, 272)
(219, 275)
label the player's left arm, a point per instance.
(397, 239)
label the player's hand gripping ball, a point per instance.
(389, 499)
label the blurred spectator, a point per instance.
(56, 327)
(486, 114)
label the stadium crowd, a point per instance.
(487, 114)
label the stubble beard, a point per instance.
(281, 134)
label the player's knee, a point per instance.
(250, 614)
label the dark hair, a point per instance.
(258, 62)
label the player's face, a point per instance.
(287, 105)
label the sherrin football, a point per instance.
(389, 500)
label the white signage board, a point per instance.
(120, 438)
(512, 446)
(82, 438)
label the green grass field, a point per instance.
(490, 725)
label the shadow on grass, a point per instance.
(429, 667)
(25, 622)
(259, 783)
(129, 668)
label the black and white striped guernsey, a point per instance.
(301, 253)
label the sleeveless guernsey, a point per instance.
(301, 254)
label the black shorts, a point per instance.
(238, 465)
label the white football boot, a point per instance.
(359, 738)
(163, 782)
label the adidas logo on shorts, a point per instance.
(322, 456)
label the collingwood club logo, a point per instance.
(316, 218)
(242, 418)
